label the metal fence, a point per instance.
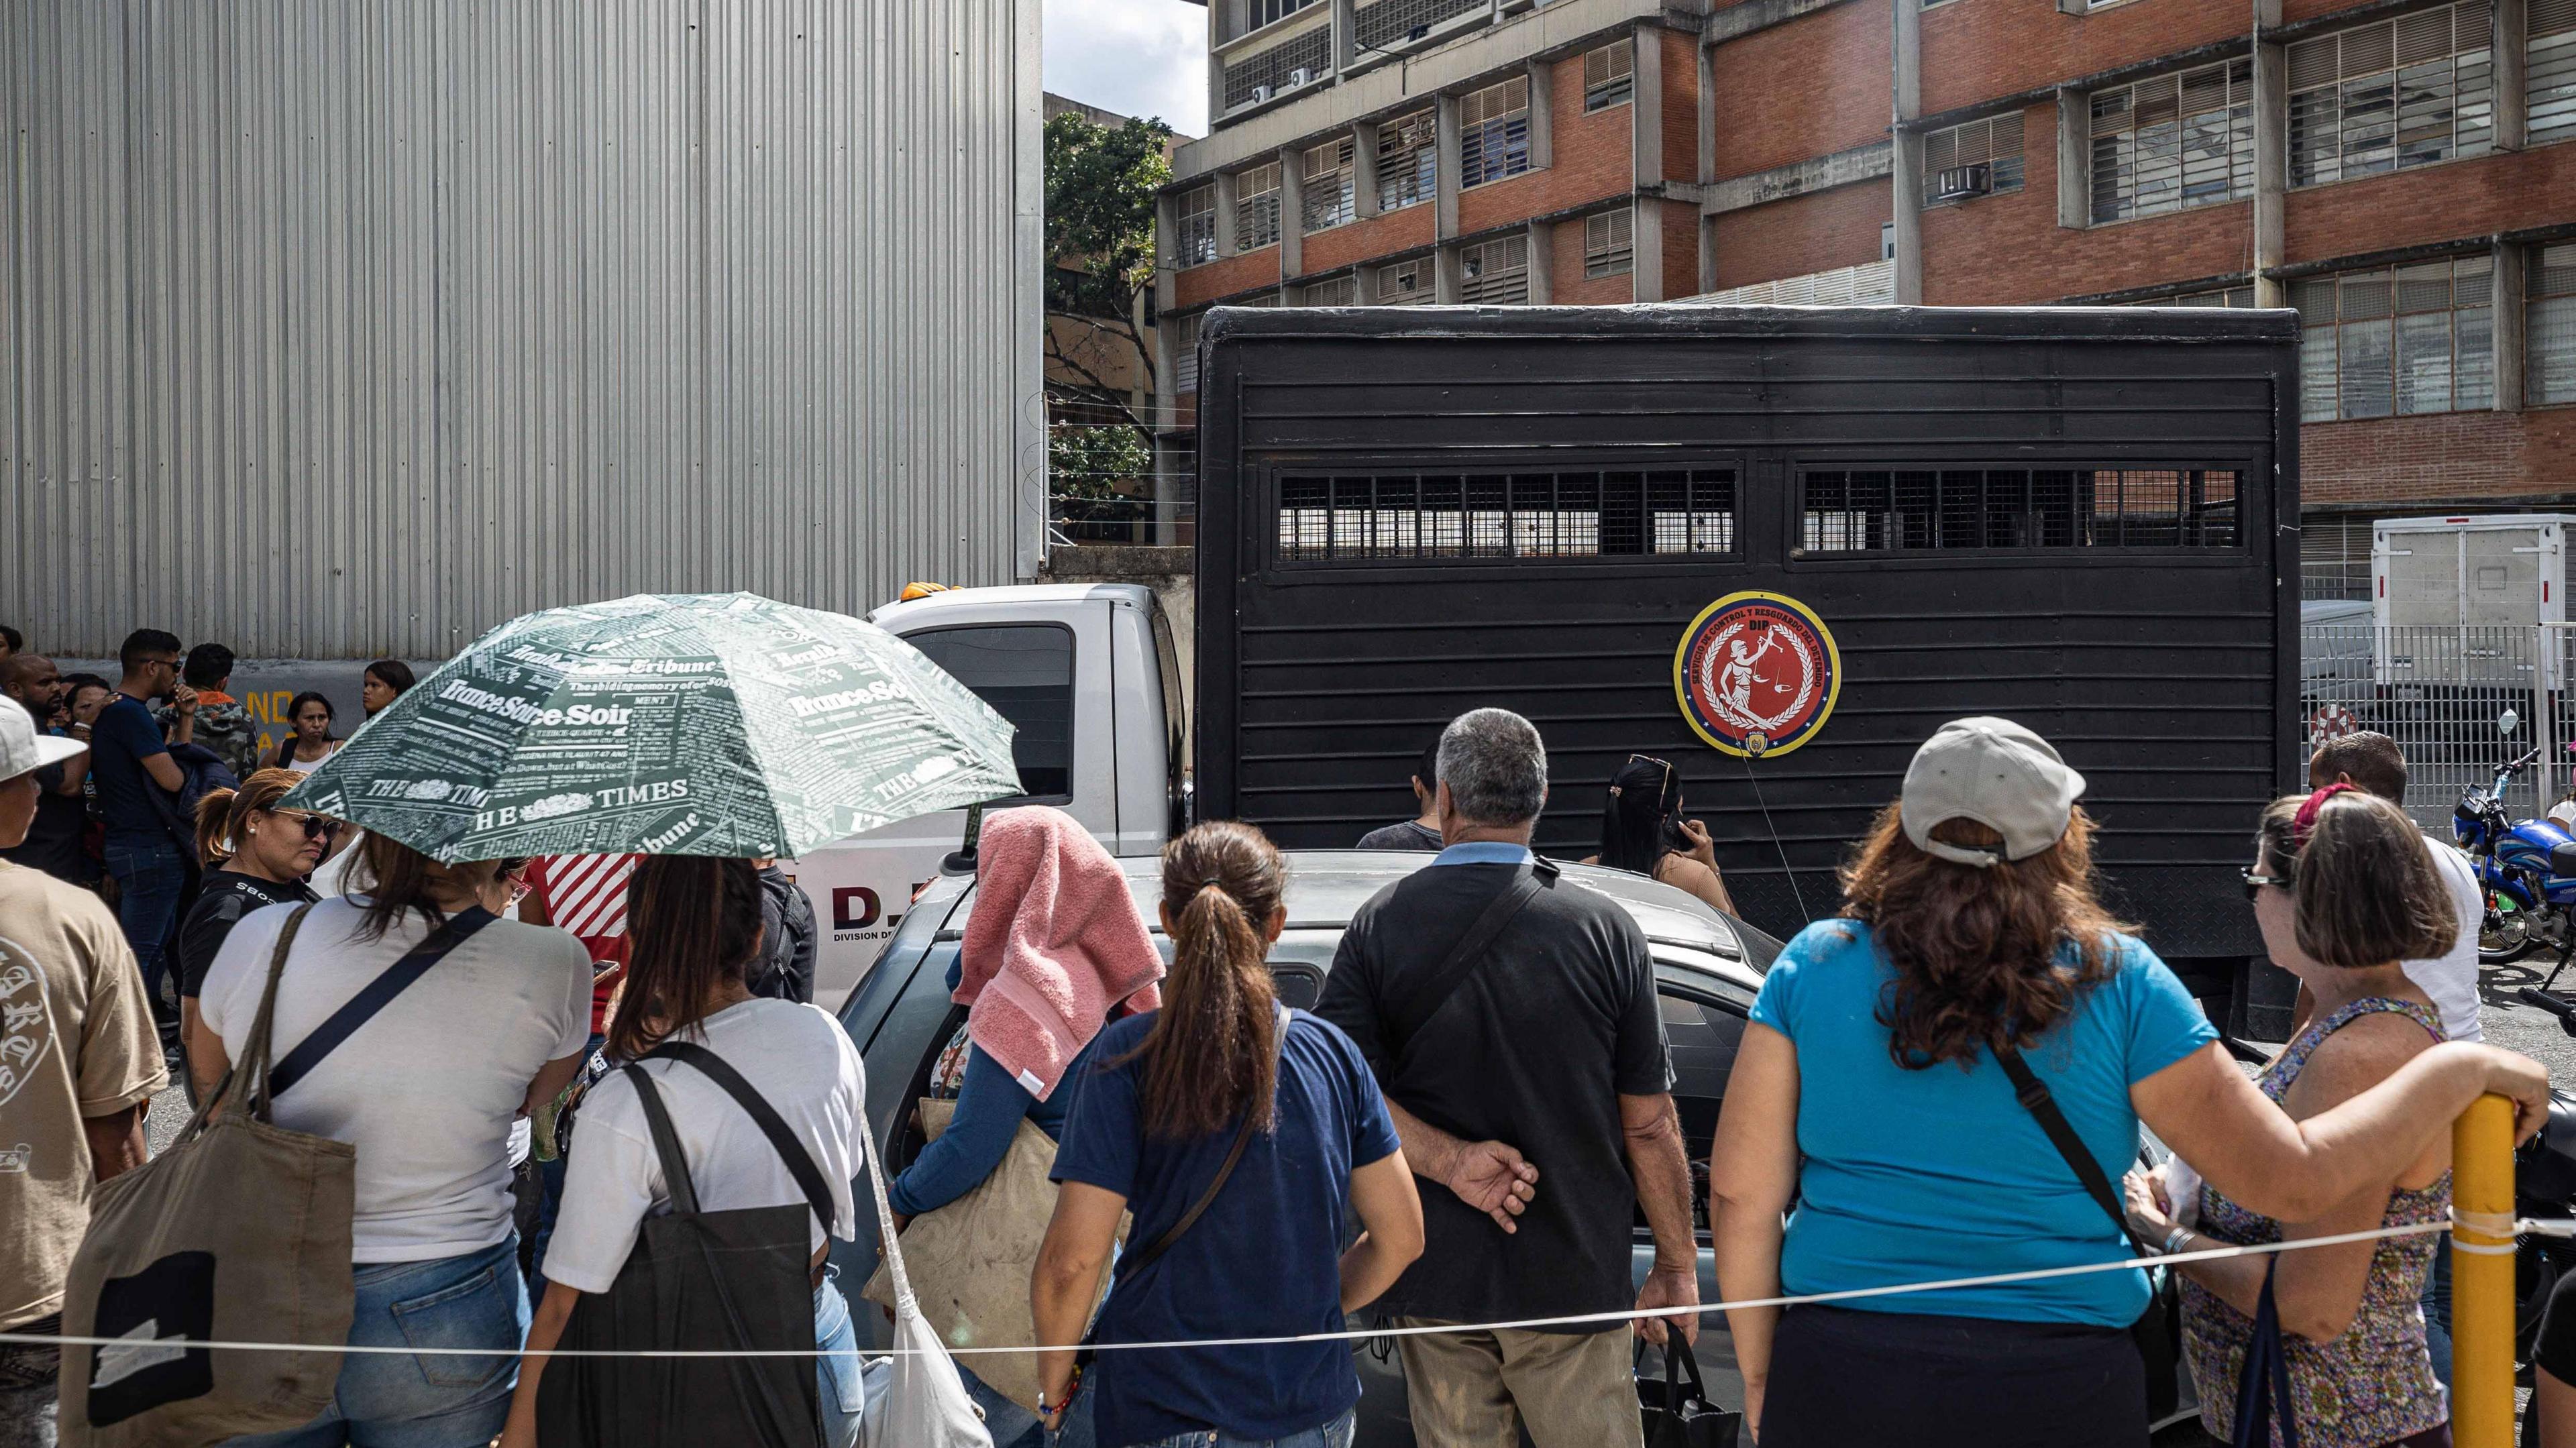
(2440, 692)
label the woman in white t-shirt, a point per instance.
(426, 1089)
(692, 926)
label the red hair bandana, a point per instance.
(2306, 819)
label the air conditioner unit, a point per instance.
(1300, 76)
(1963, 181)
(1260, 93)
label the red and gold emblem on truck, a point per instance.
(1757, 674)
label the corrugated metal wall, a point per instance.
(344, 327)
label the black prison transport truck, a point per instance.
(1775, 546)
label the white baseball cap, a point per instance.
(23, 748)
(1997, 773)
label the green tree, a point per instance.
(1101, 183)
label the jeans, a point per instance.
(150, 877)
(1335, 1434)
(29, 1377)
(1012, 1424)
(836, 1368)
(2437, 1313)
(390, 1400)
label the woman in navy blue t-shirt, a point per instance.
(1221, 1071)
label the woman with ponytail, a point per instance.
(254, 855)
(692, 925)
(1235, 1129)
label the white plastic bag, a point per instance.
(923, 1403)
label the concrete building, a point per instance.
(2392, 168)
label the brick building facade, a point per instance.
(2400, 171)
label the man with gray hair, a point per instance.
(1512, 1026)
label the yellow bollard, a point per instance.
(2482, 1277)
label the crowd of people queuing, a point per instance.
(1944, 1080)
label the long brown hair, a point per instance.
(692, 924)
(1979, 951)
(399, 881)
(1213, 1051)
(2368, 892)
(223, 815)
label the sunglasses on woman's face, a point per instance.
(2254, 884)
(314, 826)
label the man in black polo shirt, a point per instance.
(1531, 1080)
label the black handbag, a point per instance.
(2263, 1388)
(2158, 1330)
(739, 1280)
(1678, 1414)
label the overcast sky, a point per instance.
(1135, 57)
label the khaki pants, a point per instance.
(1475, 1389)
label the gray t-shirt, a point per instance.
(1410, 835)
(429, 1088)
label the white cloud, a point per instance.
(1135, 57)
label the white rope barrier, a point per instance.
(2483, 1222)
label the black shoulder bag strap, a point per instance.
(1434, 989)
(1154, 1250)
(782, 1138)
(378, 994)
(2033, 1095)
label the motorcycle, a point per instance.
(2527, 871)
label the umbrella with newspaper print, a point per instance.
(698, 724)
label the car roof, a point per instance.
(1327, 887)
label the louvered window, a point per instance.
(1609, 243)
(1493, 133)
(1994, 142)
(1340, 291)
(1258, 13)
(1982, 509)
(2174, 142)
(2224, 297)
(1325, 196)
(1408, 160)
(1196, 244)
(1609, 75)
(1394, 22)
(1185, 353)
(2397, 340)
(1406, 283)
(2549, 70)
(2549, 324)
(2408, 92)
(1415, 518)
(1256, 207)
(1494, 272)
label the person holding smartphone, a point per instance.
(1643, 830)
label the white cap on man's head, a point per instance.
(1997, 773)
(23, 747)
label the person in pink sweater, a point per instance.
(1055, 949)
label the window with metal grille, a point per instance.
(1393, 22)
(1995, 142)
(2549, 70)
(1196, 243)
(1493, 132)
(2174, 142)
(1406, 283)
(1272, 71)
(1410, 517)
(2395, 340)
(1340, 291)
(1495, 272)
(1609, 243)
(1609, 75)
(2549, 324)
(1408, 160)
(2222, 297)
(1258, 13)
(1256, 207)
(1325, 196)
(1185, 353)
(2408, 92)
(1882, 511)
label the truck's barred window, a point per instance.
(1985, 508)
(1515, 515)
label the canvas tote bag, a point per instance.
(924, 1403)
(240, 1232)
(971, 1259)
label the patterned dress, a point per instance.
(2374, 1385)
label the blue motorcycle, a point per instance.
(2528, 870)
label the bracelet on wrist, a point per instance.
(2176, 1239)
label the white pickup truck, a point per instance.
(1088, 674)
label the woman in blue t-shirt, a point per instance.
(1225, 1088)
(1867, 1093)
